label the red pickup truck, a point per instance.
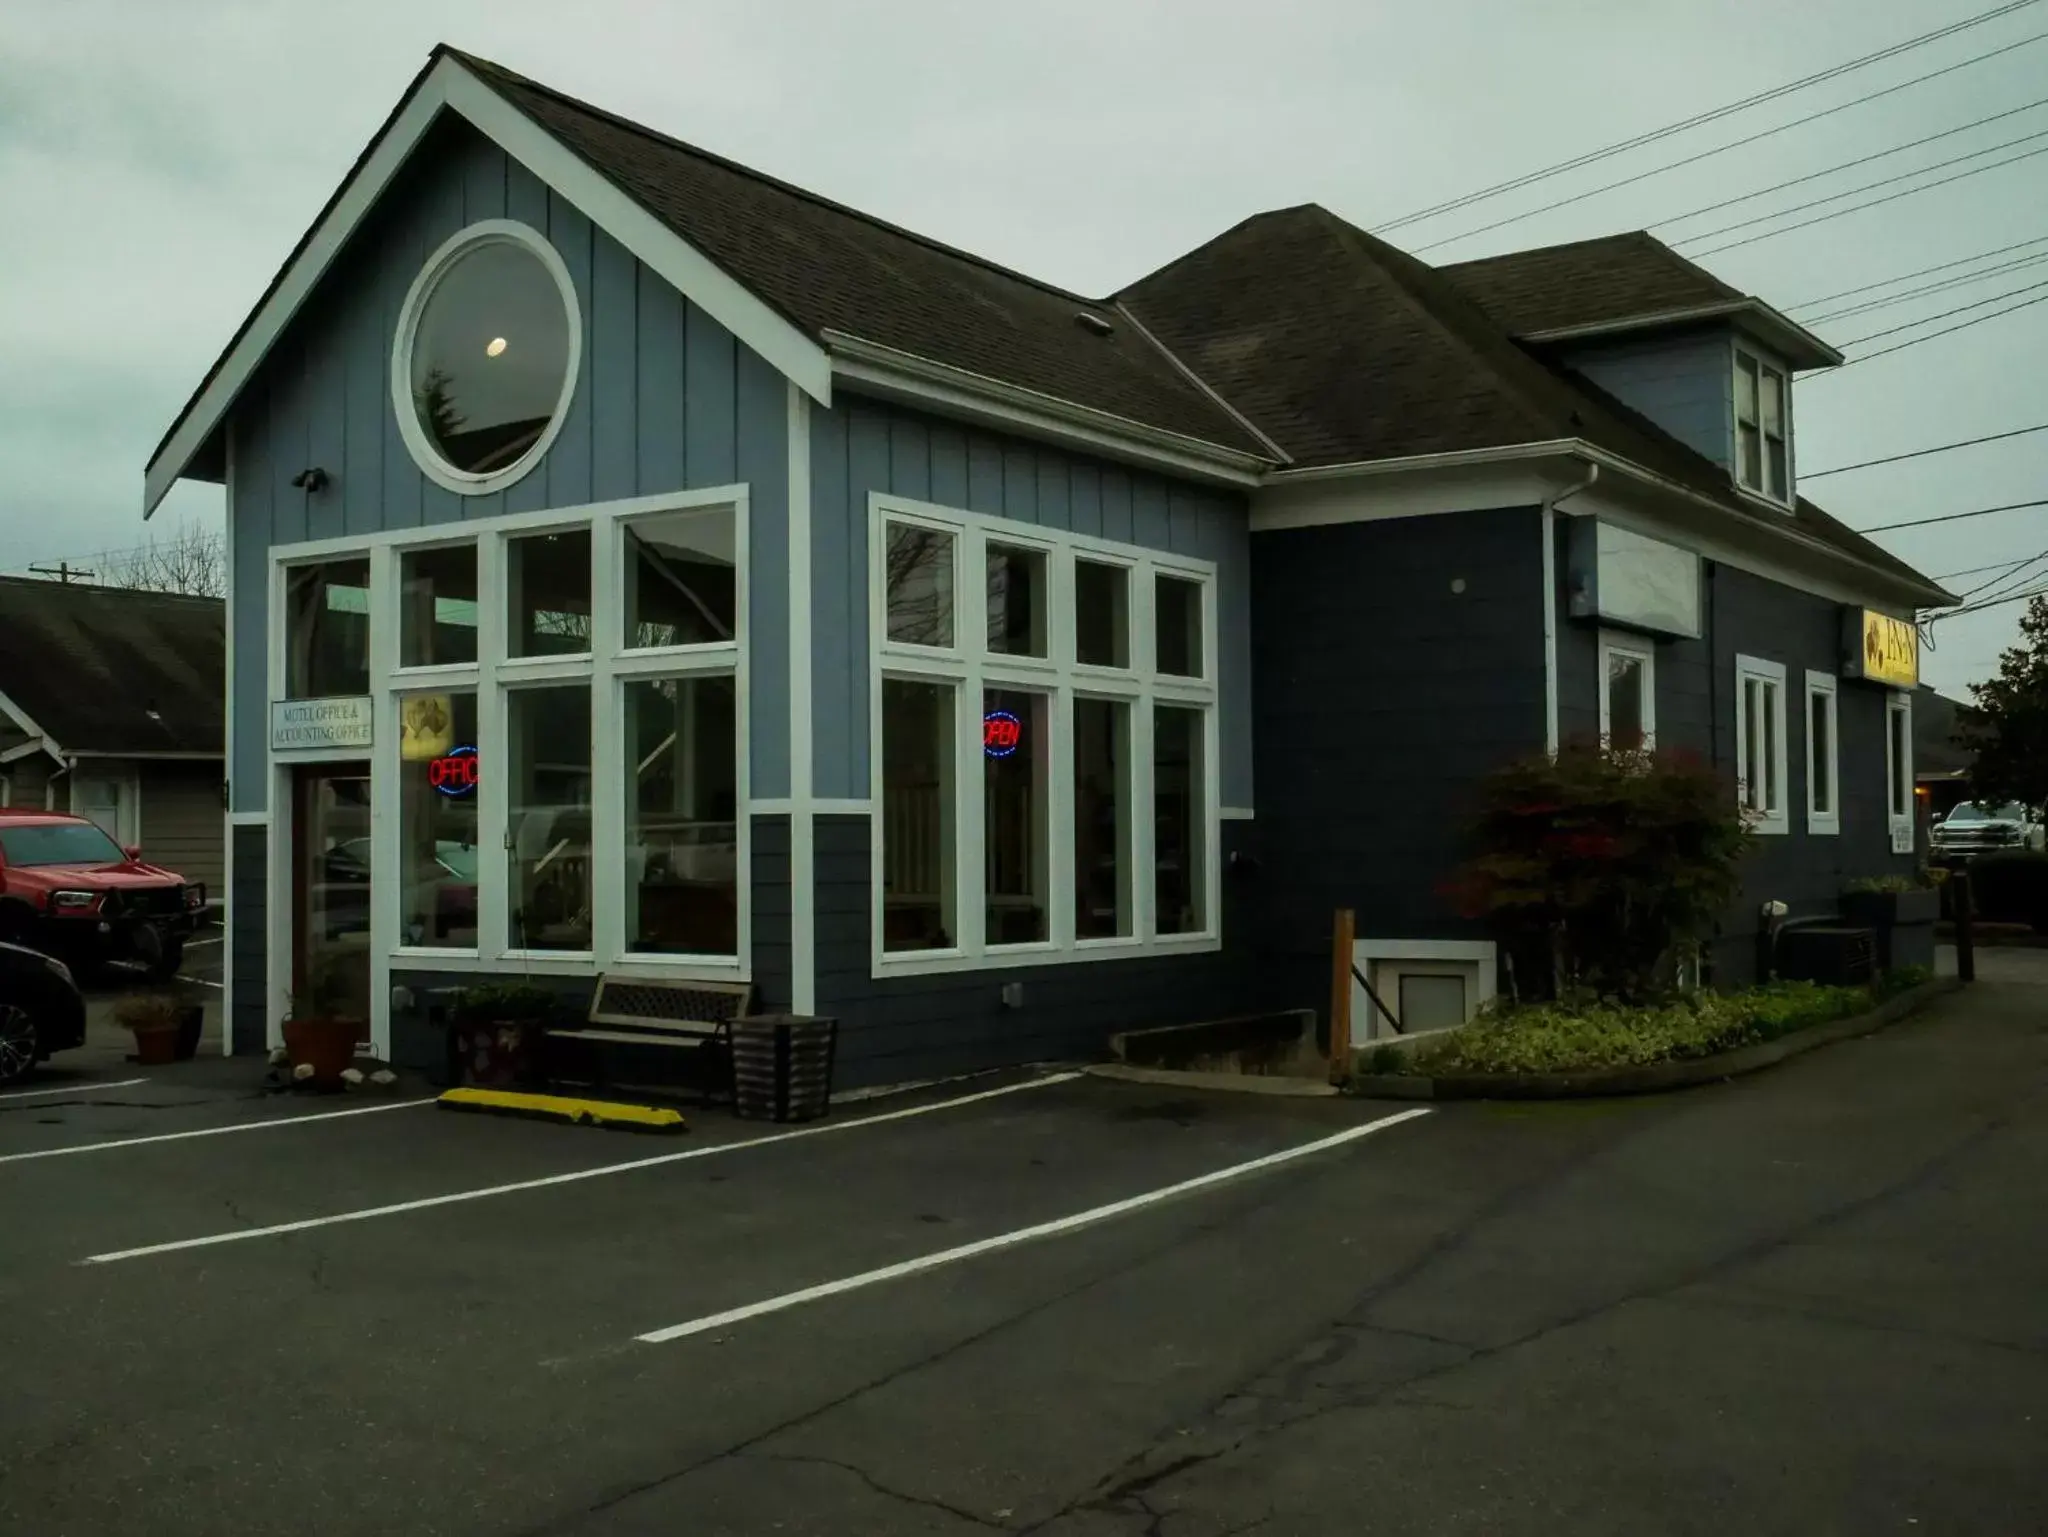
(69, 890)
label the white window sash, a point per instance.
(1764, 801)
(1823, 770)
(1898, 772)
(1637, 649)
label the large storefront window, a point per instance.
(918, 815)
(682, 585)
(439, 772)
(682, 816)
(1047, 770)
(547, 583)
(437, 606)
(547, 732)
(327, 629)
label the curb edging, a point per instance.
(1653, 1077)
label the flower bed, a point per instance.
(1589, 1037)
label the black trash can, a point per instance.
(782, 1066)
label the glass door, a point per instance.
(331, 890)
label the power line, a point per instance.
(1941, 285)
(1722, 149)
(1963, 309)
(1921, 453)
(1807, 304)
(1960, 325)
(1836, 197)
(1702, 118)
(1892, 197)
(1971, 608)
(1999, 586)
(1996, 565)
(1950, 517)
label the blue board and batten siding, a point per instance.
(665, 400)
(1685, 384)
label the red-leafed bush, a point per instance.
(1610, 860)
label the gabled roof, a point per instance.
(1343, 349)
(832, 271)
(109, 670)
(1619, 283)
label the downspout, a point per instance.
(1550, 728)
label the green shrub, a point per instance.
(1902, 979)
(1611, 861)
(1576, 1035)
(1386, 1059)
(1882, 885)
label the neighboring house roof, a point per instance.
(108, 670)
(1343, 349)
(829, 269)
(1617, 283)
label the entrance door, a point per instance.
(331, 887)
(110, 801)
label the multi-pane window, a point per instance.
(681, 768)
(437, 606)
(439, 773)
(1760, 742)
(1043, 774)
(1823, 756)
(1763, 413)
(682, 579)
(548, 833)
(547, 586)
(327, 629)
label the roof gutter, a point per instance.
(959, 392)
(1802, 348)
(1457, 459)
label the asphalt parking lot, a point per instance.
(1810, 1301)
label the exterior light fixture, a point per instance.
(496, 346)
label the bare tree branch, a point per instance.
(192, 561)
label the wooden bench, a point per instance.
(632, 1013)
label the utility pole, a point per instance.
(64, 573)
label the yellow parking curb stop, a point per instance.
(556, 1107)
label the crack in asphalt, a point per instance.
(875, 1484)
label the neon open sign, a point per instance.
(1001, 732)
(454, 772)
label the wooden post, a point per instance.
(1966, 925)
(1340, 995)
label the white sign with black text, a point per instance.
(298, 724)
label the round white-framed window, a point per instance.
(484, 363)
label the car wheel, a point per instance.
(169, 960)
(18, 1042)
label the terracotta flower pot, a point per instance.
(156, 1048)
(327, 1045)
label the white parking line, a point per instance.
(222, 986)
(75, 1088)
(194, 944)
(210, 1131)
(822, 1128)
(1020, 1235)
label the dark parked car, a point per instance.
(40, 1010)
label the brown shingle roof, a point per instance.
(104, 669)
(1587, 282)
(824, 267)
(1342, 349)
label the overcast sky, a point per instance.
(157, 162)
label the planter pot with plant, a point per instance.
(499, 1028)
(156, 1020)
(322, 1030)
(1888, 905)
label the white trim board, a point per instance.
(448, 84)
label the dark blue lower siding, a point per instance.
(248, 937)
(1749, 615)
(896, 1029)
(1393, 664)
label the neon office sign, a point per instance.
(454, 773)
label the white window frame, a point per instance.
(971, 668)
(1761, 818)
(1746, 358)
(604, 670)
(1899, 807)
(1823, 686)
(1638, 648)
(452, 250)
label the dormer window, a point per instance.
(1763, 412)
